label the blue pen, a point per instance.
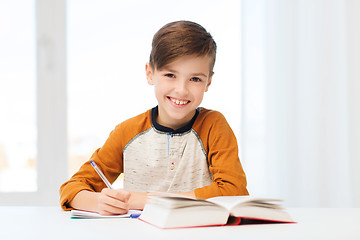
(135, 215)
(108, 184)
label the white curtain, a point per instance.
(301, 101)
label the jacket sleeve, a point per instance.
(109, 160)
(221, 146)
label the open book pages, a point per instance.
(177, 211)
(228, 202)
(266, 209)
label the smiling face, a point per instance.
(179, 88)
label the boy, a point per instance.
(174, 147)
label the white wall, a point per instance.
(301, 107)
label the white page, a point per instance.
(231, 201)
(85, 214)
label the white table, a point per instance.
(53, 223)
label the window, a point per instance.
(33, 98)
(17, 97)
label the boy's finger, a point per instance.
(111, 205)
(119, 194)
(110, 210)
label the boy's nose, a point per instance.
(181, 87)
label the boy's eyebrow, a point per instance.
(194, 74)
(200, 74)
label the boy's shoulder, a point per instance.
(138, 122)
(208, 118)
(209, 114)
(128, 129)
(210, 121)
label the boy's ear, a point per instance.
(149, 73)
(209, 82)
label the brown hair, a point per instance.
(178, 39)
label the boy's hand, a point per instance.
(112, 201)
(137, 200)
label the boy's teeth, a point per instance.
(179, 102)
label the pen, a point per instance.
(108, 184)
(135, 215)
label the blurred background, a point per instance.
(287, 79)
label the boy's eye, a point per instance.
(169, 75)
(196, 79)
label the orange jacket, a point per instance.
(202, 156)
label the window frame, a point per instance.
(51, 161)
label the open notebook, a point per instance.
(84, 214)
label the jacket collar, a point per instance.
(162, 128)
